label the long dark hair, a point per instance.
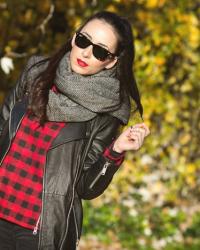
(125, 50)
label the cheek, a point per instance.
(73, 53)
(99, 65)
(96, 66)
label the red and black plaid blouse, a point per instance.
(21, 173)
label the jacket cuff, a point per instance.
(115, 157)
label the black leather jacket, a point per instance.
(75, 167)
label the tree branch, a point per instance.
(42, 26)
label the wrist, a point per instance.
(117, 149)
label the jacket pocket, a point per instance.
(100, 174)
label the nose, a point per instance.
(87, 52)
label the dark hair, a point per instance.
(125, 49)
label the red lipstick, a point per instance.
(81, 63)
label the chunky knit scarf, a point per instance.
(81, 98)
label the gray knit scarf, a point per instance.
(81, 98)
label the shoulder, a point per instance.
(36, 64)
(35, 59)
(105, 125)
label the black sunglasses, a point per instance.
(99, 52)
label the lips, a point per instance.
(81, 63)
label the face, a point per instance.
(82, 59)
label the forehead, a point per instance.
(101, 32)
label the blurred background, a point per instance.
(153, 202)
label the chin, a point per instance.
(77, 69)
(82, 71)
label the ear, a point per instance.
(73, 40)
(111, 63)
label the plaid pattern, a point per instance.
(117, 158)
(21, 173)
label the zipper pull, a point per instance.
(77, 243)
(104, 169)
(36, 227)
(35, 230)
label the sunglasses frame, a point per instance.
(108, 53)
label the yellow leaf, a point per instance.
(152, 3)
(166, 39)
(142, 15)
(77, 22)
(186, 87)
(184, 139)
(111, 8)
(8, 49)
(172, 80)
(191, 168)
(159, 61)
(191, 180)
(194, 35)
(28, 17)
(82, 3)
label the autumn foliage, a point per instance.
(153, 201)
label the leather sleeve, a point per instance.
(98, 170)
(15, 94)
(27, 76)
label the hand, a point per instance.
(132, 138)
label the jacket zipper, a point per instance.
(35, 230)
(76, 227)
(40, 218)
(70, 208)
(102, 172)
(77, 243)
(43, 188)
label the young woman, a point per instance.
(58, 132)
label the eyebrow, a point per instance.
(95, 43)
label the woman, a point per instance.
(59, 139)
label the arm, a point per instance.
(15, 94)
(101, 163)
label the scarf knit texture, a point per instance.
(82, 97)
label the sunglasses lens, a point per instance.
(83, 42)
(100, 53)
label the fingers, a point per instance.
(137, 139)
(132, 138)
(137, 134)
(142, 126)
